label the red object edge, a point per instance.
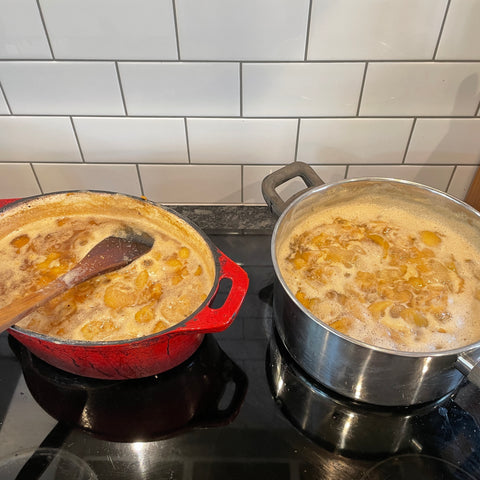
(6, 201)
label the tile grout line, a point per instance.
(260, 117)
(42, 19)
(362, 87)
(175, 25)
(440, 33)
(6, 101)
(122, 93)
(295, 154)
(266, 165)
(451, 178)
(307, 33)
(137, 167)
(240, 74)
(242, 179)
(77, 139)
(36, 178)
(409, 139)
(243, 60)
(187, 140)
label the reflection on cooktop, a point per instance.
(206, 390)
(417, 466)
(355, 429)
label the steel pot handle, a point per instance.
(270, 183)
(210, 320)
(469, 366)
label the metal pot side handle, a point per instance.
(210, 320)
(469, 366)
(271, 182)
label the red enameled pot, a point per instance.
(149, 355)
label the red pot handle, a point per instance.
(210, 320)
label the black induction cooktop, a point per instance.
(239, 408)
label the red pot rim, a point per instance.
(203, 320)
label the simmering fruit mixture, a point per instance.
(391, 277)
(154, 292)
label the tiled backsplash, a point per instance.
(196, 101)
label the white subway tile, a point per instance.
(246, 30)
(132, 140)
(242, 141)
(37, 139)
(55, 177)
(373, 30)
(445, 140)
(461, 34)
(355, 140)
(21, 31)
(301, 89)
(17, 180)
(200, 184)
(254, 175)
(423, 89)
(111, 29)
(461, 181)
(436, 177)
(181, 88)
(61, 88)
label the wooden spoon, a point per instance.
(108, 255)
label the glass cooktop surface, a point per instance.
(239, 408)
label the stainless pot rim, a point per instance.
(326, 186)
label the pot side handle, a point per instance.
(210, 320)
(470, 367)
(270, 183)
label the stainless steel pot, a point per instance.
(350, 367)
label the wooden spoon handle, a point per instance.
(10, 314)
(110, 254)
